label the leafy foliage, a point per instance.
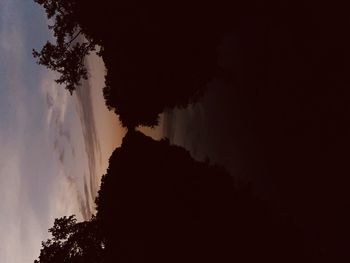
(157, 204)
(66, 55)
(73, 242)
(155, 57)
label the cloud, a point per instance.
(49, 149)
(35, 124)
(61, 201)
(85, 201)
(56, 99)
(72, 169)
(84, 108)
(70, 134)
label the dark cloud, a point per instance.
(64, 133)
(49, 100)
(60, 120)
(61, 140)
(84, 201)
(55, 144)
(88, 125)
(87, 197)
(61, 156)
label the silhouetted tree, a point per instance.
(66, 55)
(73, 242)
(284, 97)
(159, 57)
(157, 204)
(156, 56)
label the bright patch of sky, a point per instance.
(52, 153)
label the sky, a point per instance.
(54, 147)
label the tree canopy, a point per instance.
(66, 55)
(284, 90)
(157, 204)
(156, 57)
(73, 242)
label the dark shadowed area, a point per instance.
(278, 115)
(261, 89)
(171, 208)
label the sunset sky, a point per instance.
(54, 147)
(259, 90)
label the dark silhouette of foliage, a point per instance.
(284, 82)
(66, 55)
(73, 242)
(156, 56)
(157, 204)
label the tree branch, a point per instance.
(70, 42)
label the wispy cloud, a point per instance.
(80, 121)
(60, 127)
(84, 107)
(56, 99)
(49, 144)
(39, 136)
